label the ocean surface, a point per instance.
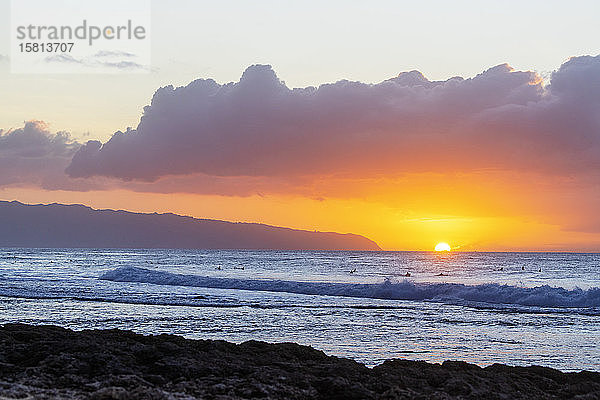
(483, 308)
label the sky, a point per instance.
(474, 123)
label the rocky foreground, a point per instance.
(51, 362)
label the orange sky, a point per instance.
(478, 212)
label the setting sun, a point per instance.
(442, 246)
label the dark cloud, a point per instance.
(33, 156)
(502, 119)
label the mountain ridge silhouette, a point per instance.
(77, 226)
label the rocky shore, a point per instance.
(49, 362)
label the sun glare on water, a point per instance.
(442, 246)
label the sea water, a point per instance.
(483, 308)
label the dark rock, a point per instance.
(48, 362)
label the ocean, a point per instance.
(483, 308)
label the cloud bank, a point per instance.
(32, 155)
(501, 119)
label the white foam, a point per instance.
(541, 296)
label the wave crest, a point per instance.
(491, 293)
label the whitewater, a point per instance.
(513, 308)
(542, 296)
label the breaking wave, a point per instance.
(492, 293)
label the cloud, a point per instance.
(123, 65)
(62, 58)
(111, 54)
(500, 119)
(107, 59)
(34, 156)
(117, 59)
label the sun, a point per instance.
(442, 246)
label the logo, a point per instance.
(68, 36)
